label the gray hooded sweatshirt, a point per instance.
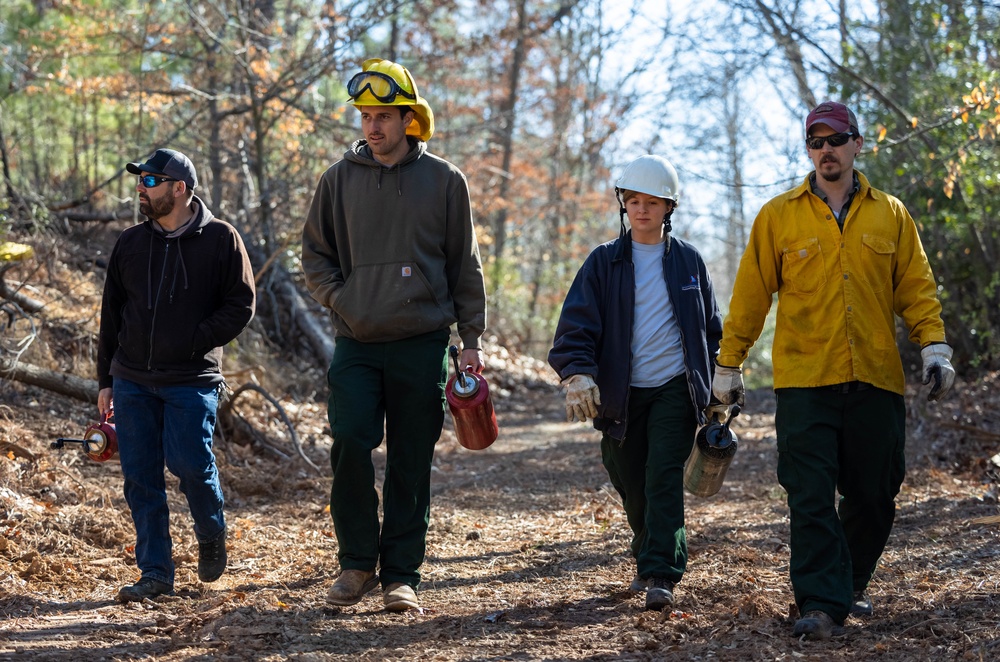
(392, 251)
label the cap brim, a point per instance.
(139, 168)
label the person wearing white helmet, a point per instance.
(390, 248)
(634, 347)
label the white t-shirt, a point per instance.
(657, 355)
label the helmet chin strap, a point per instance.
(621, 213)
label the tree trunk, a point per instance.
(58, 382)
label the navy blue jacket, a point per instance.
(594, 334)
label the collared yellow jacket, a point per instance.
(837, 292)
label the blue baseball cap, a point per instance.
(169, 163)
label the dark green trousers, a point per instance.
(399, 387)
(648, 472)
(848, 443)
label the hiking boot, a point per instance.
(862, 604)
(638, 585)
(351, 586)
(143, 589)
(399, 597)
(212, 558)
(659, 593)
(816, 625)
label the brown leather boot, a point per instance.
(351, 586)
(399, 597)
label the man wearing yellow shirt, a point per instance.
(844, 258)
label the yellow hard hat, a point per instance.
(385, 83)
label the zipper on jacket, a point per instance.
(156, 304)
(631, 330)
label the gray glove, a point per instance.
(727, 386)
(582, 398)
(937, 366)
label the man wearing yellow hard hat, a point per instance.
(390, 248)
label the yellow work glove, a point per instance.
(582, 398)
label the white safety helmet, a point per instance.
(652, 175)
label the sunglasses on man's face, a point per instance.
(835, 140)
(381, 86)
(150, 181)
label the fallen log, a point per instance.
(58, 382)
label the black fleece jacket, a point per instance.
(171, 304)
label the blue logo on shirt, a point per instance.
(692, 284)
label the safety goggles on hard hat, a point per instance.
(381, 86)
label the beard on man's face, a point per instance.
(156, 208)
(830, 168)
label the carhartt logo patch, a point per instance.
(406, 272)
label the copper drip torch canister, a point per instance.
(100, 441)
(471, 407)
(713, 452)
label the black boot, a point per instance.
(144, 588)
(212, 558)
(659, 593)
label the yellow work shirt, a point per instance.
(837, 292)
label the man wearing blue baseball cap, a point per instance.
(845, 260)
(179, 287)
(169, 163)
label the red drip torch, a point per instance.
(471, 407)
(100, 441)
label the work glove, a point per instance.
(582, 398)
(727, 386)
(937, 366)
(716, 412)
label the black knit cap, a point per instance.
(169, 163)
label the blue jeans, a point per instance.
(167, 426)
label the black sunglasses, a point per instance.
(835, 140)
(149, 181)
(387, 88)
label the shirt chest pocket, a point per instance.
(802, 268)
(877, 255)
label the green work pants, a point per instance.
(850, 443)
(647, 469)
(399, 387)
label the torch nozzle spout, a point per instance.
(459, 374)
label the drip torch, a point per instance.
(714, 448)
(100, 442)
(471, 407)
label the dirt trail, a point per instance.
(527, 556)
